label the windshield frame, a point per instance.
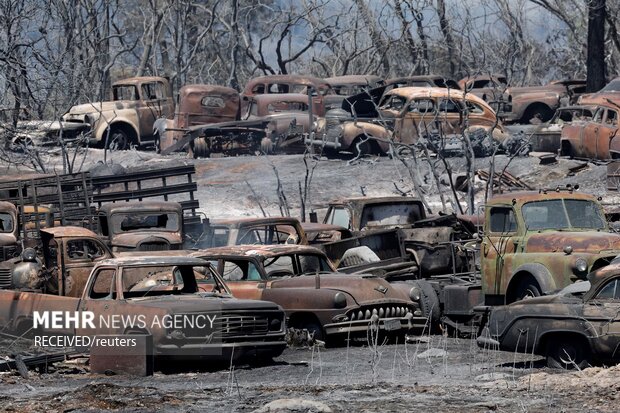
(568, 220)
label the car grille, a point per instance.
(8, 252)
(233, 325)
(383, 311)
(154, 246)
(5, 278)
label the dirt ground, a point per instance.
(437, 374)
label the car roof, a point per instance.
(265, 251)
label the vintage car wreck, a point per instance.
(403, 116)
(596, 138)
(538, 103)
(489, 88)
(302, 280)
(129, 117)
(571, 329)
(153, 288)
(141, 226)
(546, 137)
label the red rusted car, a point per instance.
(594, 139)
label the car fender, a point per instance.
(540, 273)
(110, 118)
(354, 129)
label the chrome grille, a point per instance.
(383, 311)
(5, 278)
(232, 326)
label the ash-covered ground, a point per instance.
(437, 374)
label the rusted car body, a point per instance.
(432, 240)
(142, 226)
(406, 114)
(422, 81)
(349, 85)
(157, 288)
(538, 242)
(489, 88)
(526, 104)
(129, 116)
(197, 105)
(610, 94)
(596, 138)
(570, 330)
(546, 137)
(318, 233)
(302, 280)
(255, 231)
(9, 233)
(317, 88)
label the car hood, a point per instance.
(200, 302)
(362, 288)
(131, 240)
(580, 241)
(92, 107)
(8, 239)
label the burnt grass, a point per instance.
(395, 377)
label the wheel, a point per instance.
(266, 146)
(157, 143)
(118, 140)
(567, 352)
(429, 303)
(315, 330)
(528, 288)
(537, 113)
(200, 148)
(361, 146)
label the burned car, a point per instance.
(569, 329)
(141, 226)
(605, 96)
(302, 280)
(538, 103)
(9, 233)
(349, 85)
(489, 88)
(596, 138)
(149, 290)
(255, 231)
(403, 116)
(546, 137)
(306, 85)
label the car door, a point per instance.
(100, 299)
(589, 135)
(418, 119)
(79, 257)
(243, 277)
(153, 105)
(601, 316)
(497, 249)
(606, 131)
(450, 116)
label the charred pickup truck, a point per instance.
(150, 290)
(403, 116)
(129, 117)
(141, 226)
(302, 280)
(214, 119)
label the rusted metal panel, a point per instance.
(613, 176)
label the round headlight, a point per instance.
(415, 294)
(29, 255)
(340, 300)
(581, 265)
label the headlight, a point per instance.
(581, 265)
(29, 255)
(275, 324)
(415, 294)
(340, 300)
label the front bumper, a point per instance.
(222, 350)
(405, 324)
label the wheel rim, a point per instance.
(118, 141)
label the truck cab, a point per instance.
(129, 116)
(538, 242)
(142, 226)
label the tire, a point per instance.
(157, 143)
(118, 140)
(429, 303)
(541, 112)
(567, 352)
(200, 148)
(361, 146)
(528, 288)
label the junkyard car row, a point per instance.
(376, 266)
